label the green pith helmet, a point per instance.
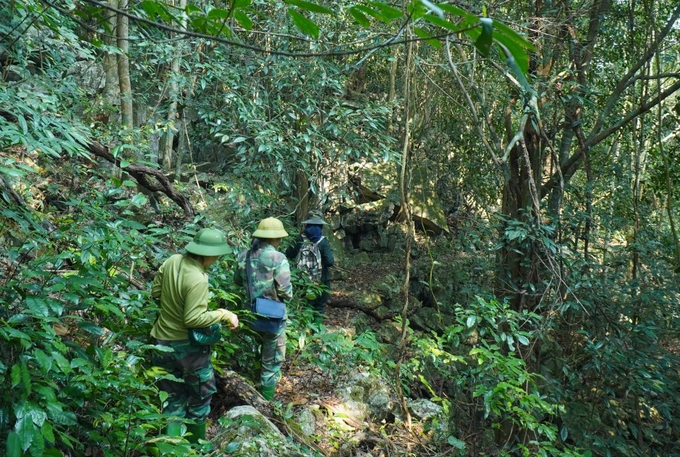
(270, 228)
(209, 242)
(315, 217)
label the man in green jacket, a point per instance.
(181, 287)
(270, 278)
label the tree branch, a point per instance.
(142, 174)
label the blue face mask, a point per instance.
(313, 232)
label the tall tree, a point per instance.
(122, 35)
(173, 121)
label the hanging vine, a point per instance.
(407, 217)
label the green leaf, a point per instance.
(485, 40)
(58, 416)
(470, 321)
(511, 342)
(359, 17)
(38, 445)
(232, 447)
(434, 8)
(309, 6)
(44, 361)
(139, 200)
(155, 10)
(516, 44)
(89, 327)
(519, 74)
(26, 378)
(12, 172)
(243, 19)
(217, 13)
(428, 38)
(22, 123)
(469, 18)
(13, 445)
(191, 9)
(387, 12)
(303, 24)
(47, 432)
(37, 306)
(15, 375)
(62, 362)
(370, 11)
(456, 443)
(26, 431)
(36, 414)
(443, 23)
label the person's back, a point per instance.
(181, 288)
(270, 273)
(309, 259)
(312, 238)
(267, 277)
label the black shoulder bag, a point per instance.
(268, 314)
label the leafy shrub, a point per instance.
(74, 334)
(477, 370)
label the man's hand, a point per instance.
(231, 318)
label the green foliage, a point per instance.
(74, 351)
(289, 126)
(304, 14)
(34, 122)
(600, 374)
(481, 357)
(331, 351)
(616, 374)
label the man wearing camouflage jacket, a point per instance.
(270, 279)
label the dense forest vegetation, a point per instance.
(500, 181)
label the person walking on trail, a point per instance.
(314, 256)
(181, 286)
(269, 278)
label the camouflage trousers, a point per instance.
(273, 355)
(192, 364)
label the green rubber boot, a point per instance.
(174, 429)
(197, 431)
(268, 392)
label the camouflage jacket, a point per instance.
(270, 273)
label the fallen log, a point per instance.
(234, 390)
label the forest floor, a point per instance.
(304, 383)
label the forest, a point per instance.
(499, 181)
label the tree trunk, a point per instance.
(181, 146)
(302, 192)
(111, 83)
(122, 34)
(172, 121)
(519, 258)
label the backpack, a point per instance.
(309, 259)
